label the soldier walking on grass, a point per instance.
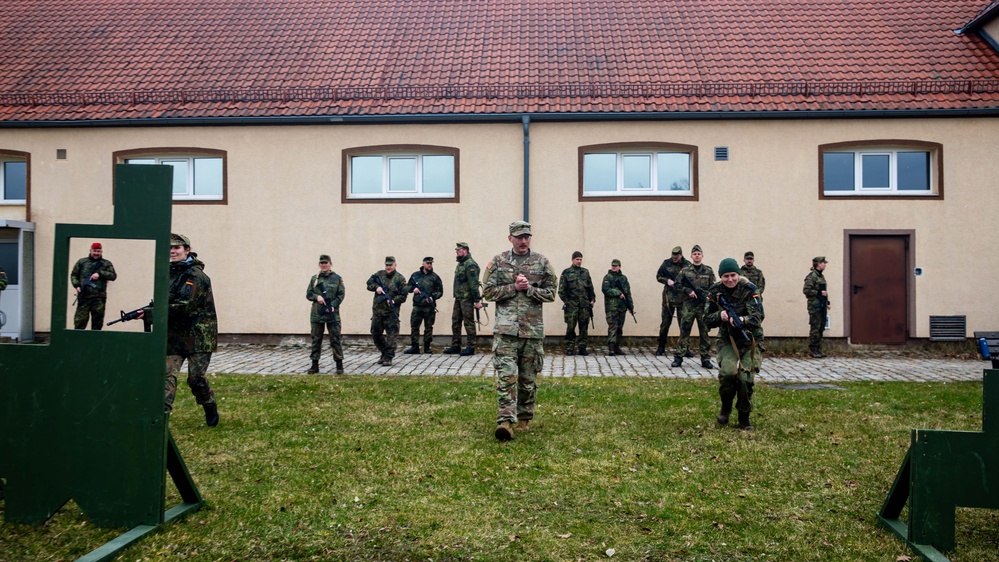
(389, 287)
(326, 291)
(575, 289)
(427, 289)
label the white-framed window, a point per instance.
(194, 177)
(13, 180)
(402, 172)
(910, 169)
(642, 170)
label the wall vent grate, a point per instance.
(948, 328)
(721, 153)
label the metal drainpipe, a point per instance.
(526, 120)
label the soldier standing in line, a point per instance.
(753, 273)
(90, 277)
(695, 279)
(668, 275)
(389, 287)
(3, 279)
(617, 302)
(466, 301)
(192, 327)
(575, 288)
(735, 307)
(818, 303)
(326, 291)
(519, 281)
(427, 289)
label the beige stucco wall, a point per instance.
(992, 29)
(284, 210)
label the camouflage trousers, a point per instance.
(384, 330)
(517, 362)
(317, 340)
(816, 324)
(737, 368)
(463, 313)
(669, 310)
(89, 309)
(577, 316)
(425, 315)
(197, 366)
(615, 326)
(688, 316)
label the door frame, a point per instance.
(910, 283)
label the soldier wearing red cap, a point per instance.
(90, 278)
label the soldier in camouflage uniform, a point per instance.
(3, 279)
(466, 301)
(326, 291)
(815, 290)
(753, 273)
(668, 275)
(389, 287)
(90, 277)
(427, 289)
(192, 327)
(701, 276)
(740, 351)
(575, 288)
(519, 281)
(617, 303)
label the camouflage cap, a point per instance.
(520, 228)
(677, 251)
(616, 262)
(728, 265)
(577, 254)
(461, 246)
(428, 259)
(323, 258)
(389, 260)
(819, 259)
(696, 248)
(179, 240)
(749, 256)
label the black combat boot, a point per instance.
(661, 350)
(726, 411)
(211, 414)
(569, 351)
(339, 366)
(689, 354)
(744, 421)
(617, 350)
(314, 368)
(582, 350)
(610, 349)
(677, 361)
(412, 349)
(426, 349)
(706, 363)
(451, 350)
(467, 351)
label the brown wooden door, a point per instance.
(878, 289)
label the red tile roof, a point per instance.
(139, 59)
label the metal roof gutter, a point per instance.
(504, 118)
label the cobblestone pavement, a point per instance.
(360, 358)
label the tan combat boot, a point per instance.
(523, 425)
(503, 431)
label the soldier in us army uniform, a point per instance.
(192, 327)
(519, 281)
(617, 302)
(389, 287)
(815, 291)
(673, 298)
(466, 301)
(575, 289)
(734, 306)
(753, 273)
(326, 291)
(695, 279)
(90, 277)
(427, 289)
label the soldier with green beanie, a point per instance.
(753, 273)
(695, 279)
(389, 287)
(90, 277)
(617, 302)
(326, 291)
(734, 306)
(192, 327)
(818, 303)
(519, 281)
(466, 301)
(427, 289)
(673, 298)
(575, 289)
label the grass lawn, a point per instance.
(407, 468)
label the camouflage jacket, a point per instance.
(575, 288)
(702, 277)
(394, 286)
(192, 325)
(744, 298)
(671, 295)
(811, 287)
(431, 288)
(466, 280)
(518, 313)
(330, 287)
(84, 268)
(3, 279)
(615, 285)
(755, 275)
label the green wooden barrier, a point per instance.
(942, 471)
(82, 417)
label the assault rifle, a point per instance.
(620, 287)
(736, 321)
(485, 305)
(328, 307)
(386, 296)
(134, 315)
(686, 282)
(823, 299)
(424, 296)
